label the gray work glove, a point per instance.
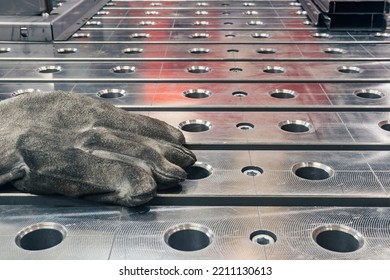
(68, 144)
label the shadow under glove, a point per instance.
(69, 144)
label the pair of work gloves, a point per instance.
(77, 146)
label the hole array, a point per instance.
(198, 69)
(313, 171)
(133, 51)
(66, 50)
(252, 171)
(111, 93)
(263, 237)
(274, 70)
(197, 93)
(296, 126)
(385, 125)
(369, 93)
(188, 237)
(245, 126)
(199, 50)
(199, 171)
(349, 69)
(49, 69)
(195, 126)
(123, 69)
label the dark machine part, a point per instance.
(289, 121)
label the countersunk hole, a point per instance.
(230, 36)
(385, 125)
(93, 22)
(146, 23)
(103, 13)
(199, 171)
(249, 4)
(140, 35)
(201, 13)
(283, 93)
(236, 69)
(334, 51)
(251, 13)
(245, 126)
(369, 93)
(195, 126)
(49, 69)
(233, 51)
(151, 13)
(123, 69)
(188, 237)
(240, 93)
(199, 50)
(111, 93)
(296, 126)
(260, 35)
(198, 69)
(349, 69)
(274, 70)
(338, 238)
(255, 22)
(252, 171)
(133, 51)
(40, 236)
(312, 171)
(263, 237)
(201, 23)
(5, 50)
(381, 35)
(81, 35)
(266, 51)
(321, 35)
(199, 36)
(23, 91)
(66, 50)
(228, 23)
(197, 93)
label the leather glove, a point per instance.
(69, 144)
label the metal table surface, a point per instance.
(290, 124)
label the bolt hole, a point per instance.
(349, 70)
(313, 171)
(228, 23)
(201, 13)
(263, 237)
(195, 126)
(252, 171)
(111, 93)
(198, 69)
(199, 36)
(334, 51)
(369, 94)
(66, 50)
(133, 51)
(201, 23)
(140, 35)
(266, 51)
(226, 13)
(93, 22)
(230, 36)
(49, 69)
(260, 35)
(274, 70)
(296, 126)
(123, 69)
(283, 93)
(381, 35)
(188, 237)
(199, 51)
(240, 94)
(199, 171)
(197, 93)
(249, 4)
(24, 91)
(245, 126)
(236, 69)
(251, 13)
(146, 23)
(385, 125)
(81, 35)
(202, 4)
(255, 22)
(321, 35)
(151, 13)
(5, 50)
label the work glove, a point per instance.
(77, 146)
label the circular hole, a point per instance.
(312, 171)
(230, 36)
(5, 50)
(251, 13)
(245, 126)
(66, 50)
(201, 13)
(334, 51)
(252, 171)
(198, 69)
(93, 22)
(236, 69)
(296, 4)
(188, 237)
(49, 69)
(228, 23)
(199, 171)
(146, 23)
(240, 94)
(274, 70)
(249, 4)
(40, 236)
(381, 35)
(338, 238)
(23, 91)
(197, 93)
(201, 23)
(283, 93)
(226, 13)
(199, 35)
(266, 51)
(233, 51)
(156, 4)
(349, 69)
(199, 50)
(263, 237)
(132, 50)
(296, 126)
(260, 35)
(369, 93)
(140, 35)
(225, 4)
(385, 125)
(255, 22)
(111, 93)
(195, 126)
(81, 35)
(123, 69)
(202, 4)
(103, 13)
(321, 35)
(151, 13)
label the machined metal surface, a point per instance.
(290, 124)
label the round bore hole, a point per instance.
(251, 13)
(233, 51)
(111, 93)
(369, 93)
(240, 94)
(133, 51)
(263, 237)
(260, 35)
(349, 69)
(197, 93)
(236, 69)
(312, 171)
(249, 4)
(123, 69)
(338, 238)
(140, 35)
(151, 13)
(201, 13)
(5, 50)
(296, 126)
(283, 93)
(66, 50)
(93, 22)
(23, 91)
(252, 171)
(228, 23)
(40, 236)
(198, 69)
(195, 126)
(199, 36)
(321, 35)
(334, 51)
(230, 36)
(255, 22)
(385, 125)
(199, 171)
(49, 69)
(146, 23)
(381, 35)
(201, 23)
(274, 70)
(199, 51)
(245, 126)
(266, 51)
(81, 35)
(188, 237)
